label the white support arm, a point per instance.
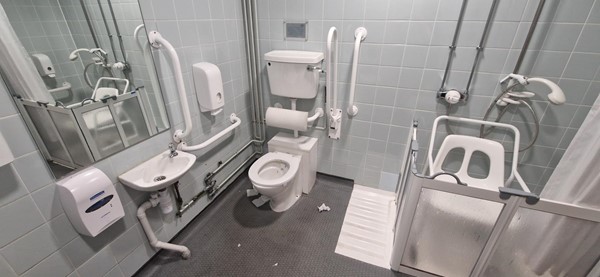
(236, 121)
(156, 40)
(318, 113)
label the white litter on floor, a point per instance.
(367, 231)
(276, 264)
(324, 207)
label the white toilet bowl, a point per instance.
(273, 175)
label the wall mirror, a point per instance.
(97, 88)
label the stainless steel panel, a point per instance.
(449, 232)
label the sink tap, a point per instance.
(173, 150)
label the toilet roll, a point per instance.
(287, 119)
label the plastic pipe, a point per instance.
(233, 118)
(156, 40)
(154, 242)
(359, 34)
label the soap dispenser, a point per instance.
(209, 87)
(44, 66)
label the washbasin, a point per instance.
(158, 172)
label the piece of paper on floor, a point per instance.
(276, 264)
(324, 207)
(251, 192)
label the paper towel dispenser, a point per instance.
(209, 87)
(90, 201)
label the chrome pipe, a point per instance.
(229, 160)
(89, 23)
(226, 181)
(119, 36)
(249, 65)
(110, 35)
(261, 124)
(479, 48)
(452, 47)
(534, 23)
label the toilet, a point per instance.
(290, 167)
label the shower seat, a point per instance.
(492, 149)
(471, 144)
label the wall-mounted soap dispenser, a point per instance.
(44, 66)
(209, 87)
(90, 201)
(6, 155)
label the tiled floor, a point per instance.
(234, 238)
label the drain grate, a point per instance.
(159, 178)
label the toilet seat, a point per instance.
(274, 159)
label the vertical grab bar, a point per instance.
(156, 40)
(359, 34)
(334, 114)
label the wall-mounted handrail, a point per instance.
(332, 65)
(359, 34)
(156, 40)
(146, 53)
(236, 121)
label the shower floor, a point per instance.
(298, 242)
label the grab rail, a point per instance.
(156, 40)
(236, 121)
(359, 34)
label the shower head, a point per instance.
(556, 95)
(74, 55)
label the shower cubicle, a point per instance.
(453, 228)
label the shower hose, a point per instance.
(483, 132)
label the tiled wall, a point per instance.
(401, 66)
(36, 238)
(41, 27)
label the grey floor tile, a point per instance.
(298, 242)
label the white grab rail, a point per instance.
(156, 40)
(331, 76)
(334, 114)
(236, 121)
(145, 49)
(359, 34)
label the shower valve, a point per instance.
(453, 96)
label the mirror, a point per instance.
(101, 93)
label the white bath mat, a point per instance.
(367, 232)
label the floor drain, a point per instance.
(159, 178)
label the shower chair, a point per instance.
(452, 224)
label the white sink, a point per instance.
(159, 172)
